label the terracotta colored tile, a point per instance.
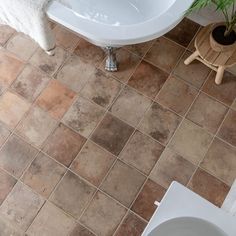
(130, 106)
(191, 142)
(160, 123)
(228, 128)
(37, 126)
(123, 183)
(207, 113)
(132, 226)
(103, 215)
(101, 89)
(72, 194)
(49, 64)
(172, 167)
(209, 187)
(220, 161)
(90, 53)
(16, 155)
(43, 175)
(30, 83)
(195, 73)
(148, 79)
(75, 73)
(144, 204)
(164, 54)
(83, 116)
(21, 206)
(176, 95)
(140, 49)
(4, 133)
(93, 163)
(79, 230)
(142, 152)
(5, 33)
(226, 92)
(112, 134)
(22, 46)
(184, 32)
(51, 221)
(6, 228)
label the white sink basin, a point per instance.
(187, 226)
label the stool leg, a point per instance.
(219, 74)
(191, 58)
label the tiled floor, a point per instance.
(84, 152)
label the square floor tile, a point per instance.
(16, 155)
(228, 128)
(148, 79)
(51, 221)
(177, 95)
(101, 89)
(43, 175)
(5, 33)
(21, 206)
(6, 228)
(37, 126)
(64, 144)
(93, 163)
(103, 215)
(30, 83)
(220, 161)
(130, 106)
(140, 49)
(83, 116)
(209, 187)
(112, 134)
(72, 194)
(191, 142)
(123, 183)
(56, 99)
(80, 230)
(4, 133)
(144, 204)
(172, 167)
(164, 54)
(160, 123)
(142, 152)
(234, 105)
(207, 113)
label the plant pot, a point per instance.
(219, 42)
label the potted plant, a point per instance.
(223, 35)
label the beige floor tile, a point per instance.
(5, 33)
(6, 228)
(80, 230)
(4, 133)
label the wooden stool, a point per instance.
(217, 61)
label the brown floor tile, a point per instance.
(209, 187)
(195, 73)
(16, 155)
(4, 133)
(220, 161)
(5, 33)
(142, 152)
(83, 116)
(176, 95)
(72, 194)
(112, 134)
(148, 79)
(75, 73)
(79, 230)
(207, 113)
(21, 206)
(226, 92)
(234, 105)
(172, 167)
(130, 106)
(160, 123)
(37, 126)
(144, 204)
(191, 142)
(184, 32)
(56, 99)
(92, 163)
(30, 83)
(51, 221)
(164, 54)
(6, 228)
(64, 144)
(101, 89)
(132, 226)
(103, 215)
(123, 183)
(43, 175)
